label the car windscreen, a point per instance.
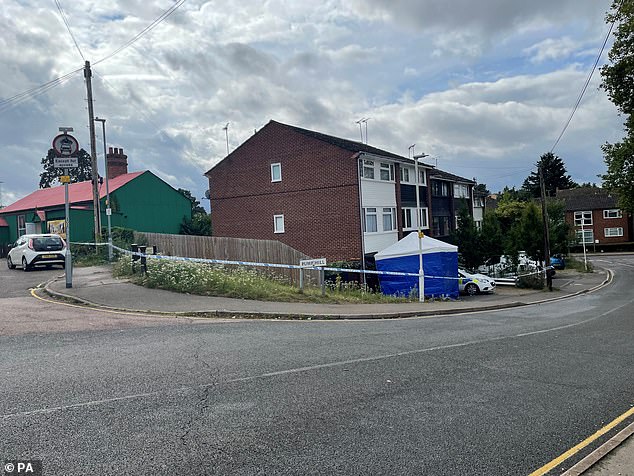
(48, 243)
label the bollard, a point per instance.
(142, 249)
(134, 248)
(301, 280)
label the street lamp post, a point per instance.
(108, 209)
(421, 275)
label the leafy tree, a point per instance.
(466, 237)
(526, 234)
(555, 176)
(200, 224)
(491, 237)
(618, 82)
(482, 188)
(50, 175)
(558, 228)
(196, 208)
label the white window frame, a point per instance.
(422, 174)
(409, 214)
(406, 171)
(586, 236)
(460, 190)
(370, 212)
(391, 213)
(277, 166)
(387, 168)
(583, 218)
(613, 232)
(277, 229)
(612, 213)
(367, 169)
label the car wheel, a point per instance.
(471, 289)
(25, 267)
(10, 263)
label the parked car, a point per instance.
(37, 250)
(473, 284)
(558, 262)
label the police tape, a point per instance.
(283, 266)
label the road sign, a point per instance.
(65, 145)
(313, 262)
(65, 162)
(65, 179)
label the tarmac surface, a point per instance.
(95, 287)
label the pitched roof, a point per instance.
(77, 193)
(586, 198)
(352, 146)
(441, 175)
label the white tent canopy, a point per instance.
(409, 246)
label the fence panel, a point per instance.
(232, 249)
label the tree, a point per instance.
(526, 234)
(482, 188)
(491, 237)
(466, 237)
(618, 82)
(555, 176)
(196, 208)
(557, 226)
(50, 175)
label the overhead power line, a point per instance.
(585, 86)
(148, 28)
(63, 15)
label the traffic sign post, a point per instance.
(311, 263)
(65, 146)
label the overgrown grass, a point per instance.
(577, 264)
(243, 283)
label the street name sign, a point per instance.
(313, 262)
(65, 162)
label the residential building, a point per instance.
(324, 195)
(139, 200)
(595, 216)
(479, 203)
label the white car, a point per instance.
(473, 284)
(37, 250)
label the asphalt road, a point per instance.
(489, 393)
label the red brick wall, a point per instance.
(599, 223)
(318, 194)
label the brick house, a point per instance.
(326, 196)
(594, 215)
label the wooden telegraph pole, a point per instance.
(93, 154)
(542, 187)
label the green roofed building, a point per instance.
(139, 200)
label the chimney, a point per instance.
(117, 162)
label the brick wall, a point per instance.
(318, 194)
(599, 224)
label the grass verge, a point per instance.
(242, 283)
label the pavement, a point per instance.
(96, 287)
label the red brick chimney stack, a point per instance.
(117, 162)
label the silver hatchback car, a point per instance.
(37, 250)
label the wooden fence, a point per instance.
(231, 249)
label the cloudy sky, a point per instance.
(484, 87)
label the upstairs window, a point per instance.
(583, 218)
(276, 172)
(367, 169)
(422, 176)
(460, 190)
(405, 174)
(613, 213)
(387, 172)
(439, 189)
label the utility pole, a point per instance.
(542, 187)
(93, 154)
(226, 129)
(108, 207)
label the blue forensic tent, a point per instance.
(440, 260)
